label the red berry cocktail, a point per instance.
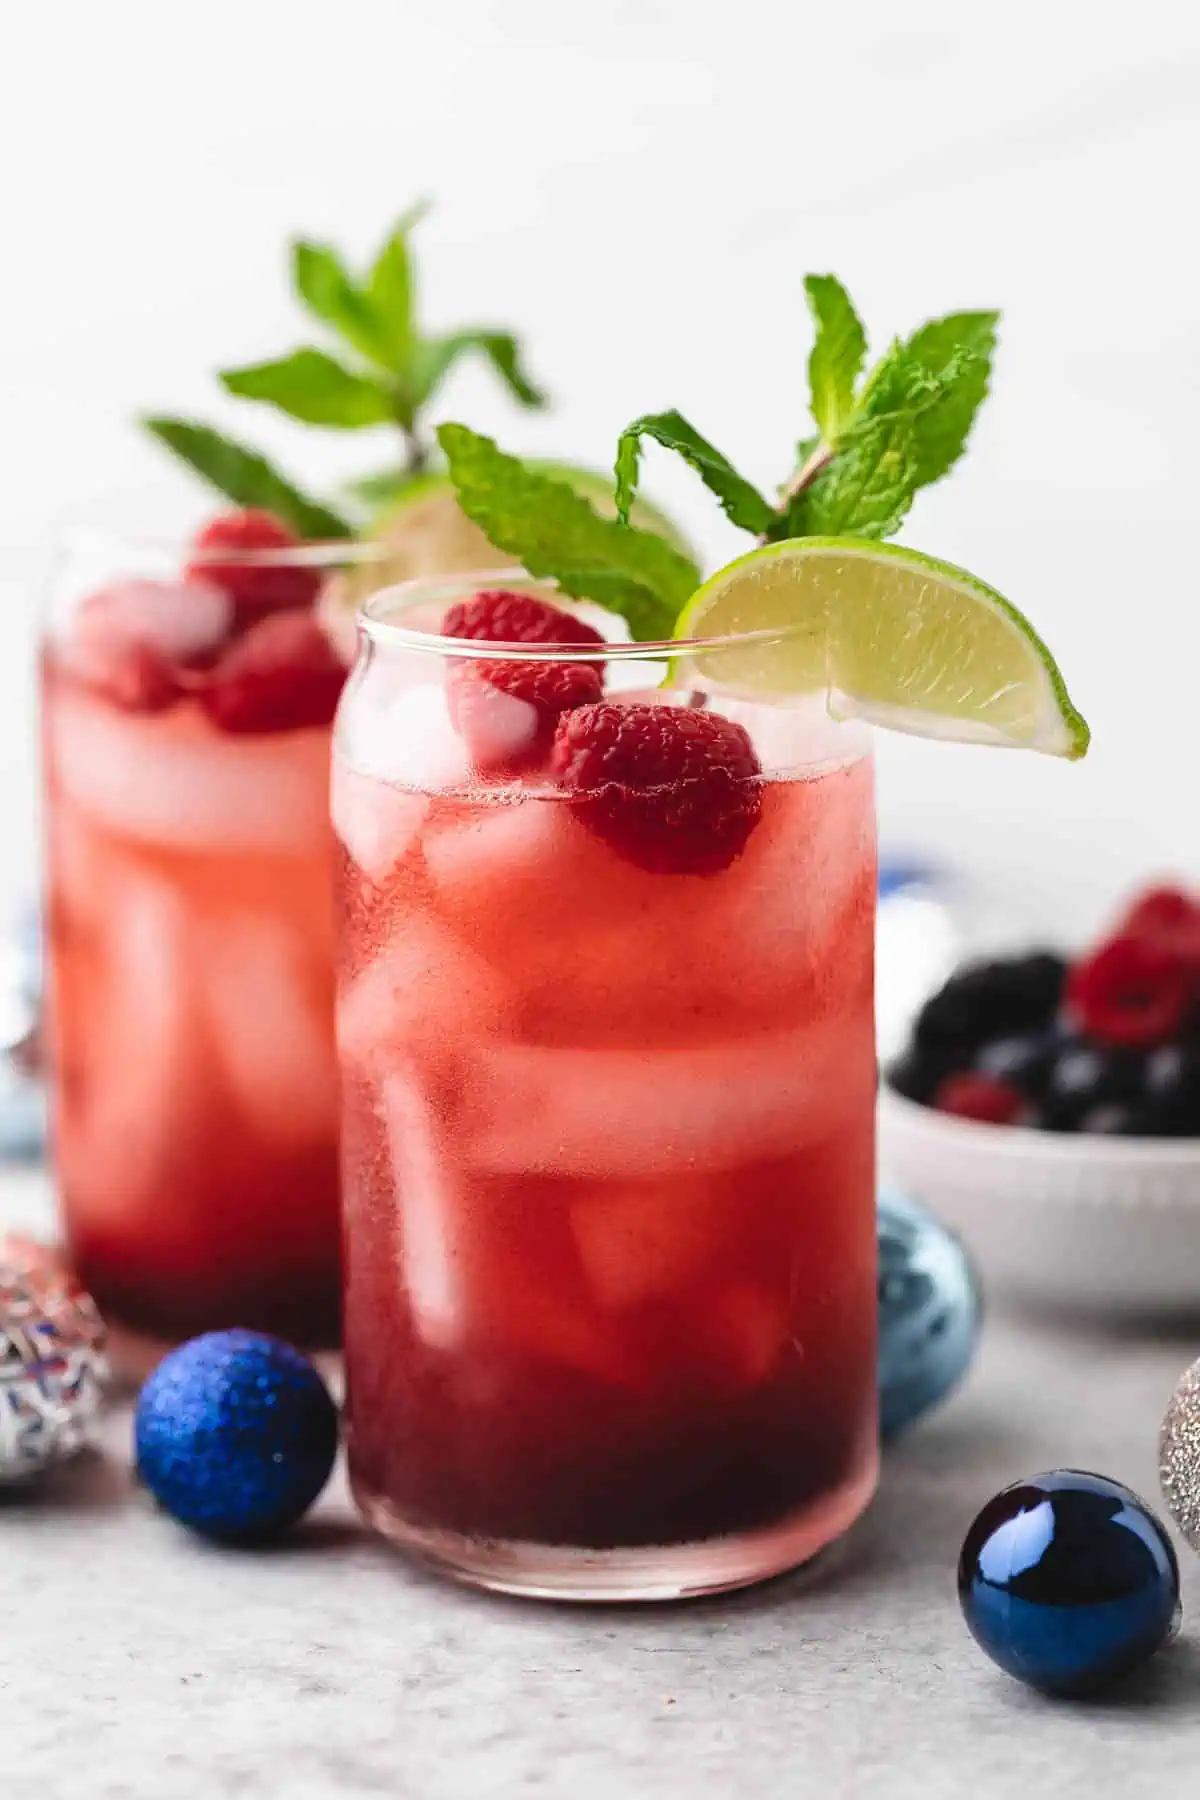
(606, 1035)
(188, 698)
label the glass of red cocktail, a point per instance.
(605, 1026)
(188, 698)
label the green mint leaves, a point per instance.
(245, 477)
(879, 439)
(395, 370)
(312, 387)
(556, 533)
(742, 504)
(379, 370)
(969, 337)
(838, 353)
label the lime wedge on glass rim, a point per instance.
(887, 635)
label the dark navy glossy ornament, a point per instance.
(1069, 1581)
(930, 1310)
(236, 1435)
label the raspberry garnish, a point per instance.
(282, 675)
(1166, 916)
(983, 1098)
(1134, 991)
(255, 587)
(676, 791)
(503, 616)
(507, 711)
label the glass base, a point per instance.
(626, 1573)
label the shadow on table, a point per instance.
(90, 1482)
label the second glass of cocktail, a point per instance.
(605, 1022)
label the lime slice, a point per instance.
(888, 635)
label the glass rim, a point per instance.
(400, 596)
(319, 554)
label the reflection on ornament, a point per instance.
(236, 1435)
(1068, 1581)
(930, 1311)
(52, 1363)
(1179, 1455)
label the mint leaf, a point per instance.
(837, 354)
(868, 487)
(433, 359)
(899, 382)
(312, 387)
(245, 477)
(944, 426)
(390, 292)
(742, 504)
(556, 533)
(322, 282)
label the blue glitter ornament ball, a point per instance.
(1068, 1581)
(930, 1311)
(236, 1435)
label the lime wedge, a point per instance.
(888, 635)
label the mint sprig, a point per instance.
(879, 440)
(838, 352)
(245, 477)
(741, 503)
(557, 533)
(381, 370)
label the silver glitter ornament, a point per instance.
(1179, 1455)
(53, 1369)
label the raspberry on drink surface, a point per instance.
(507, 711)
(673, 789)
(235, 552)
(281, 675)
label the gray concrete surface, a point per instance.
(137, 1664)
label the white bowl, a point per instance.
(1103, 1225)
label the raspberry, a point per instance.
(1166, 916)
(282, 675)
(228, 548)
(1133, 991)
(502, 616)
(983, 1098)
(674, 790)
(507, 711)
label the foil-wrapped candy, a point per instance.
(53, 1369)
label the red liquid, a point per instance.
(191, 959)
(608, 1171)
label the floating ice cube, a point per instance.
(133, 1125)
(183, 619)
(426, 991)
(173, 779)
(626, 1115)
(402, 731)
(640, 1240)
(268, 996)
(376, 821)
(434, 1245)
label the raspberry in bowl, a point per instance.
(1050, 1110)
(189, 695)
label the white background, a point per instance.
(640, 185)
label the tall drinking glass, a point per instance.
(607, 1126)
(188, 702)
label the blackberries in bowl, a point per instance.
(1108, 1044)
